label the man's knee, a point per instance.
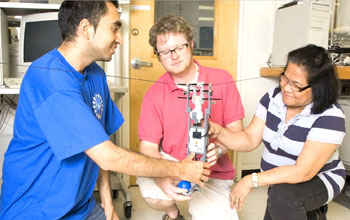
(159, 203)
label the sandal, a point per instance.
(167, 217)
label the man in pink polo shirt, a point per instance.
(163, 124)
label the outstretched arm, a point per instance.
(111, 157)
(245, 140)
(235, 126)
(212, 149)
(166, 184)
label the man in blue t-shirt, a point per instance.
(65, 115)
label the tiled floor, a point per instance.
(254, 208)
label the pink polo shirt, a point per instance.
(164, 120)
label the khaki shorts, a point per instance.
(212, 202)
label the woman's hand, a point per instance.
(214, 129)
(240, 191)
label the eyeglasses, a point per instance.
(178, 50)
(284, 81)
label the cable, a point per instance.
(140, 79)
(3, 120)
(2, 111)
(2, 106)
(1, 102)
(10, 104)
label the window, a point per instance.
(199, 14)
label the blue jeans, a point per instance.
(98, 213)
(295, 201)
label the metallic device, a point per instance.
(198, 138)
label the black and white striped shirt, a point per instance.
(285, 141)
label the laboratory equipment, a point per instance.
(198, 138)
(297, 24)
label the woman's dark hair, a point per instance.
(321, 75)
(72, 12)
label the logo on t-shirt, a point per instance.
(97, 104)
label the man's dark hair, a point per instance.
(72, 12)
(321, 75)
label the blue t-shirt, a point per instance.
(60, 114)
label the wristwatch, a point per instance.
(218, 151)
(255, 180)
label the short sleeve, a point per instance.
(68, 124)
(328, 128)
(261, 110)
(114, 118)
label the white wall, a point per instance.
(255, 46)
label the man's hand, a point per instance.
(212, 155)
(110, 212)
(166, 184)
(104, 187)
(194, 171)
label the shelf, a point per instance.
(271, 71)
(13, 8)
(113, 88)
(343, 71)
(18, 8)
(8, 91)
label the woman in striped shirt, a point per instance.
(301, 126)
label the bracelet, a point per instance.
(255, 180)
(218, 151)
